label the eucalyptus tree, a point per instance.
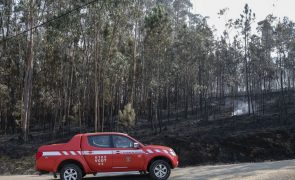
(157, 40)
(204, 60)
(266, 29)
(244, 24)
(283, 37)
(27, 90)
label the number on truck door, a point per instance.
(98, 152)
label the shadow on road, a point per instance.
(89, 177)
(127, 177)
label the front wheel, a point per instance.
(160, 170)
(71, 172)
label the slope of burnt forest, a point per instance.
(245, 138)
(227, 139)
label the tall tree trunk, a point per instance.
(102, 103)
(96, 80)
(134, 64)
(247, 74)
(27, 91)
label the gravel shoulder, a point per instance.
(279, 170)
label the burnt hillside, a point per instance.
(226, 139)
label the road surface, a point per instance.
(279, 170)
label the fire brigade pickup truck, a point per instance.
(94, 153)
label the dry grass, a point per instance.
(21, 166)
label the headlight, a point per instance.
(172, 152)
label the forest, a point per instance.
(139, 66)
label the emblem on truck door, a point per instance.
(100, 160)
(128, 158)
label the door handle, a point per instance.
(117, 152)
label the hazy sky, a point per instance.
(261, 8)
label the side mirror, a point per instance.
(136, 145)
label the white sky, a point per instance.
(261, 8)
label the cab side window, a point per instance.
(122, 142)
(100, 141)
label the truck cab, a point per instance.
(94, 153)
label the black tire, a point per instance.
(83, 174)
(72, 169)
(160, 170)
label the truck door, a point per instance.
(125, 156)
(97, 151)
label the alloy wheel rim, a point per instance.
(70, 174)
(160, 170)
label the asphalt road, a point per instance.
(279, 170)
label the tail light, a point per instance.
(38, 155)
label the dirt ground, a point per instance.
(279, 170)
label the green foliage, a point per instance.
(127, 116)
(245, 21)
(157, 20)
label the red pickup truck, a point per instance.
(94, 153)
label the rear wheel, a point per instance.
(71, 172)
(160, 170)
